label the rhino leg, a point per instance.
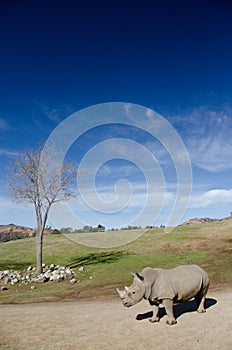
(155, 317)
(168, 304)
(201, 307)
(200, 298)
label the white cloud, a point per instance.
(211, 198)
(54, 115)
(123, 170)
(150, 113)
(8, 153)
(207, 134)
(127, 108)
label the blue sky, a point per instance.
(59, 57)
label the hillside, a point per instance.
(99, 271)
(12, 232)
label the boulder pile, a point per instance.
(55, 273)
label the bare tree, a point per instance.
(39, 178)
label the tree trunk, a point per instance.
(39, 239)
(39, 244)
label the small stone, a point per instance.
(81, 269)
(40, 279)
(55, 277)
(90, 277)
(7, 280)
(68, 273)
(33, 287)
(47, 274)
(43, 265)
(61, 268)
(15, 280)
(29, 268)
(4, 288)
(73, 280)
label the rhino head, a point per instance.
(133, 294)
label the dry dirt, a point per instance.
(106, 324)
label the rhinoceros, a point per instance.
(167, 287)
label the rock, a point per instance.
(7, 280)
(61, 268)
(55, 277)
(33, 287)
(73, 280)
(40, 279)
(43, 266)
(4, 288)
(52, 272)
(81, 269)
(68, 273)
(48, 274)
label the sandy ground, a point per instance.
(108, 325)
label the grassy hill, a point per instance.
(208, 244)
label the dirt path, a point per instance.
(106, 325)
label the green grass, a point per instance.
(208, 245)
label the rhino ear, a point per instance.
(137, 276)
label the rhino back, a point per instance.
(180, 284)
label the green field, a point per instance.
(208, 244)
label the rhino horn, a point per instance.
(127, 289)
(121, 293)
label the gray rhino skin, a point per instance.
(167, 287)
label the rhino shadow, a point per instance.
(179, 309)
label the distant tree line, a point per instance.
(85, 229)
(101, 228)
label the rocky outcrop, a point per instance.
(13, 232)
(195, 221)
(54, 273)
